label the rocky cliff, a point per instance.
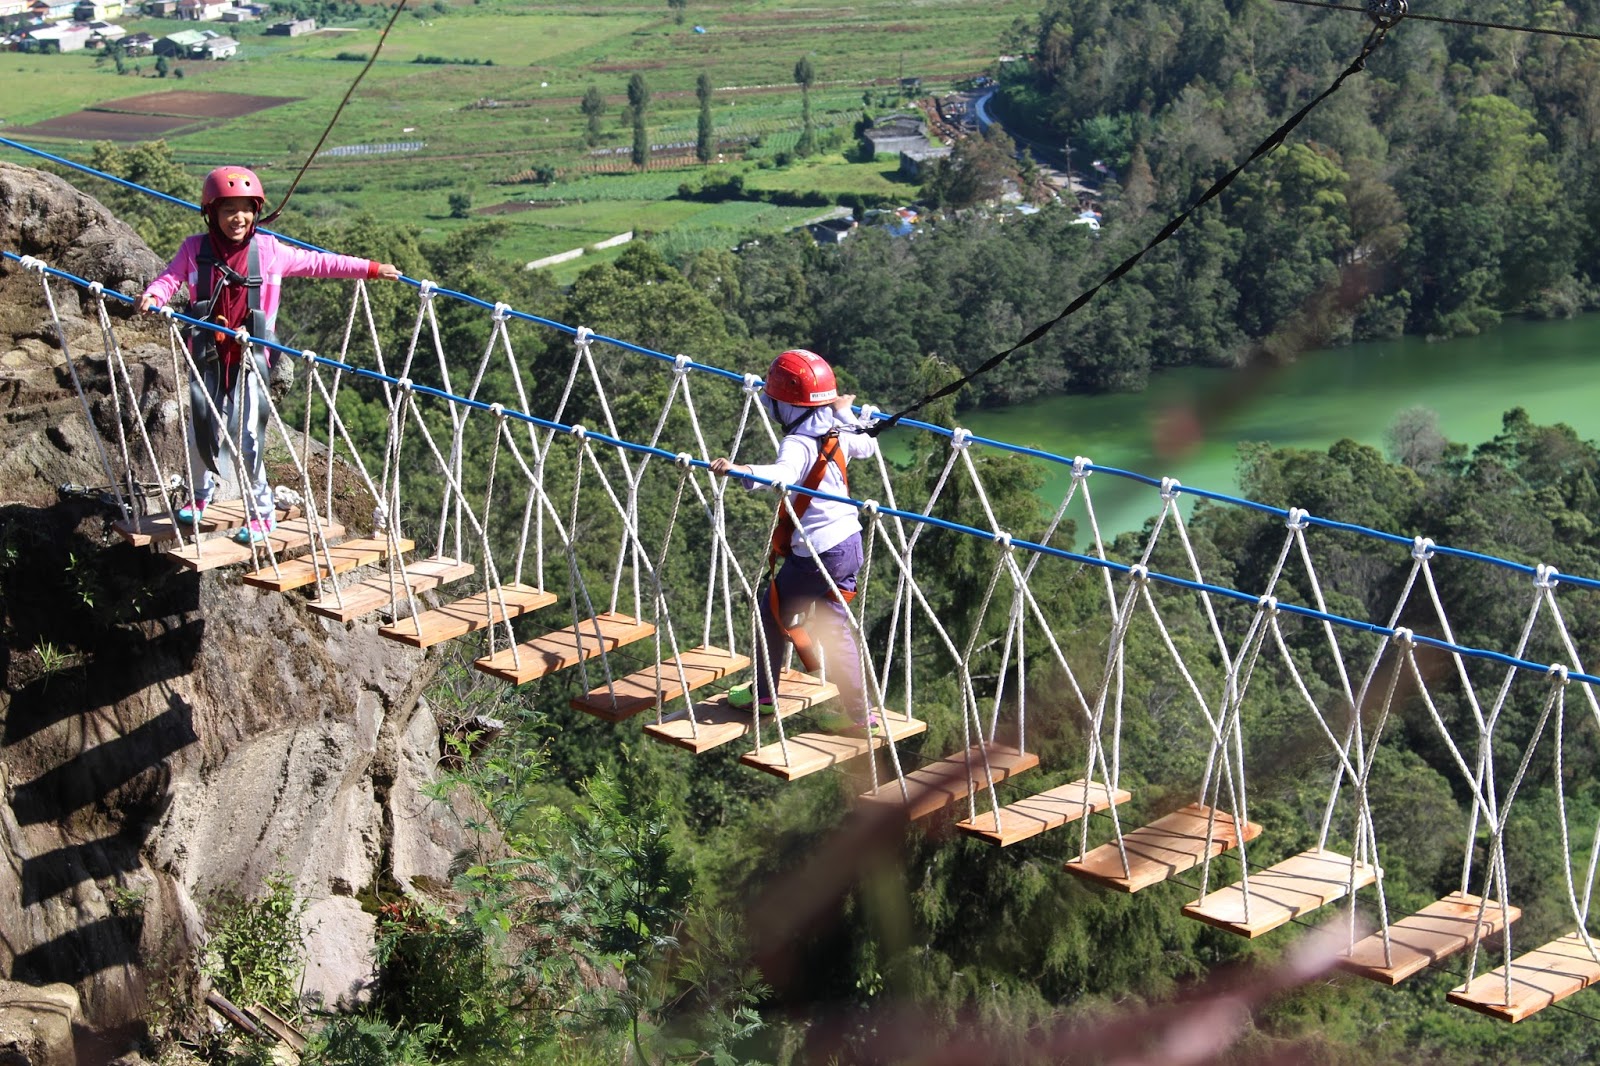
(164, 734)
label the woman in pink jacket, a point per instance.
(234, 276)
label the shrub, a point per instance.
(254, 953)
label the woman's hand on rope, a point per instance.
(722, 467)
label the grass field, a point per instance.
(543, 60)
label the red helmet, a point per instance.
(802, 378)
(232, 181)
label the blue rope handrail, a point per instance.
(989, 442)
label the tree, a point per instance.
(161, 66)
(804, 75)
(460, 205)
(705, 145)
(975, 170)
(638, 103)
(677, 7)
(593, 106)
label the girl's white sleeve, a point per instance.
(795, 456)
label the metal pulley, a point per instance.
(1386, 13)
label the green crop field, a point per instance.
(511, 107)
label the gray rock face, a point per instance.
(186, 733)
(36, 1024)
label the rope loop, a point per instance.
(498, 410)
(166, 311)
(1386, 14)
(961, 438)
(752, 383)
(1268, 603)
(501, 310)
(242, 335)
(684, 460)
(426, 287)
(1404, 637)
(32, 263)
(309, 356)
(1297, 518)
(869, 508)
(868, 412)
(1170, 487)
(1003, 539)
(96, 288)
(1545, 577)
(1559, 672)
(1421, 548)
(579, 432)
(404, 384)
(680, 364)
(1080, 467)
(583, 335)
(1140, 573)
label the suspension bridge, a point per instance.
(545, 471)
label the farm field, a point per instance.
(515, 109)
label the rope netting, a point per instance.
(533, 487)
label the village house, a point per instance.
(160, 9)
(177, 45)
(914, 162)
(293, 27)
(106, 31)
(70, 38)
(51, 10)
(896, 133)
(12, 9)
(238, 14)
(203, 10)
(138, 44)
(218, 47)
(97, 10)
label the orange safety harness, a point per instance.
(828, 452)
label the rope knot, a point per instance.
(96, 288)
(1268, 603)
(1139, 572)
(404, 384)
(380, 518)
(500, 311)
(684, 460)
(1297, 518)
(752, 383)
(868, 412)
(32, 263)
(961, 438)
(1003, 539)
(1421, 548)
(1170, 487)
(680, 364)
(242, 335)
(309, 356)
(1545, 577)
(1559, 672)
(1405, 636)
(165, 311)
(869, 508)
(425, 288)
(1080, 467)
(583, 335)
(498, 410)
(579, 432)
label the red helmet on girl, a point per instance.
(232, 181)
(802, 378)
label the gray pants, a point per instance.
(241, 399)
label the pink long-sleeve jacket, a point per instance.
(278, 261)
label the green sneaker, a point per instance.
(743, 697)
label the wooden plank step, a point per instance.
(1047, 810)
(158, 529)
(214, 552)
(467, 615)
(1437, 931)
(813, 752)
(637, 691)
(1164, 848)
(533, 659)
(1541, 977)
(715, 723)
(1282, 892)
(346, 556)
(376, 593)
(939, 785)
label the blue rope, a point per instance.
(910, 516)
(988, 442)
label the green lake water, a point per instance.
(1549, 368)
